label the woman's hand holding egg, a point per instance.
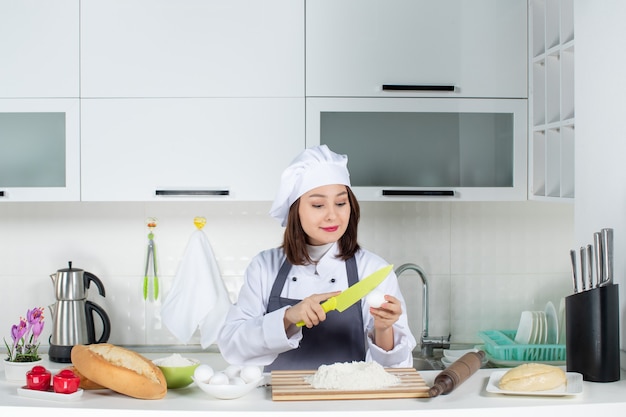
(375, 299)
(385, 309)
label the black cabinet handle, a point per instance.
(419, 87)
(192, 192)
(418, 193)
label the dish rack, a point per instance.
(501, 346)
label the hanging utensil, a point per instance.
(151, 222)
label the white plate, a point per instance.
(574, 386)
(49, 395)
(455, 354)
(561, 339)
(525, 328)
(553, 324)
(228, 392)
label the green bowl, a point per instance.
(178, 376)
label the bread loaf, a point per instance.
(120, 370)
(533, 377)
(85, 383)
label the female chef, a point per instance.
(319, 258)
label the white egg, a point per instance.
(375, 299)
(237, 381)
(232, 371)
(219, 378)
(203, 373)
(250, 373)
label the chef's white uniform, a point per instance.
(251, 336)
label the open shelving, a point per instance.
(551, 99)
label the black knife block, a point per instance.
(592, 334)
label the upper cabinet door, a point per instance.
(188, 149)
(39, 48)
(39, 149)
(475, 48)
(192, 48)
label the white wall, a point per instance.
(486, 261)
(600, 134)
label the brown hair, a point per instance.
(294, 240)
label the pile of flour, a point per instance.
(352, 376)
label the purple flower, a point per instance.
(35, 322)
(18, 330)
(24, 335)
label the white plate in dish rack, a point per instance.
(574, 386)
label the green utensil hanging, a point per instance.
(151, 255)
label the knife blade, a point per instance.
(355, 292)
(597, 254)
(590, 266)
(583, 267)
(572, 255)
(607, 256)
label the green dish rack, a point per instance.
(501, 345)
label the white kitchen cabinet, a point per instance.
(426, 148)
(188, 149)
(192, 48)
(477, 48)
(551, 100)
(39, 48)
(39, 150)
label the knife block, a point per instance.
(592, 334)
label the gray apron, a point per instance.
(339, 338)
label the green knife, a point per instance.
(355, 292)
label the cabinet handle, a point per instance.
(419, 87)
(191, 192)
(1, 193)
(418, 193)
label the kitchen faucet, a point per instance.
(427, 343)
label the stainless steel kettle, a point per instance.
(73, 315)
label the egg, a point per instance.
(250, 373)
(237, 381)
(219, 378)
(203, 373)
(375, 299)
(232, 371)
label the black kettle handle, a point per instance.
(90, 308)
(89, 277)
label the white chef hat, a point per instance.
(314, 167)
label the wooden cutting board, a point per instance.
(291, 386)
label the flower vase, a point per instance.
(16, 371)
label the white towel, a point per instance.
(198, 297)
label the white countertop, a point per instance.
(469, 399)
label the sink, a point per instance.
(427, 364)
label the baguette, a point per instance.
(532, 377)
(120, 370)
(85, 383)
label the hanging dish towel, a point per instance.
(198, 297)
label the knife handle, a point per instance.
(327, 305)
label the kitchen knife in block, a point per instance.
(355, 292)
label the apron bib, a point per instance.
(339, 338)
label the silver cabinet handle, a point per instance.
(418, 193)
(192, 192)
(417, 87)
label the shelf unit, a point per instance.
(551, 99)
